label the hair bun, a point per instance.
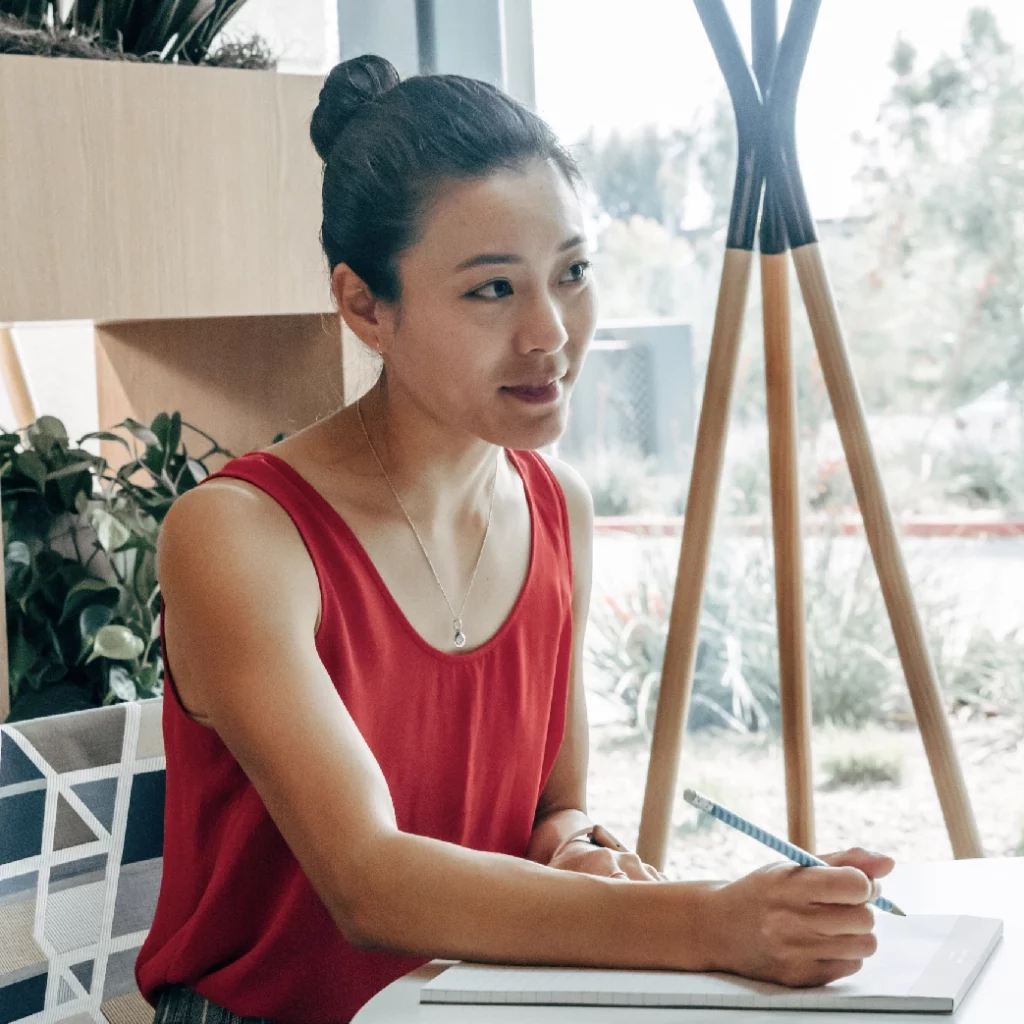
(348, 88)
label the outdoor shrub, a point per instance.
(864, 769)
(855, 672)
(626, 645)
(989, 676)
(620, 481)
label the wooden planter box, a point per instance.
(147, 191)
(178, 209)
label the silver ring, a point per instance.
(619, 874)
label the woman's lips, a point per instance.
(535, 394)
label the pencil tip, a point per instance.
(896, 910)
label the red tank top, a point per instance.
(465, 741)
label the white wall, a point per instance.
(303, 33)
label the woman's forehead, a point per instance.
(515, 211)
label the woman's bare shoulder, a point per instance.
(228, 514)
(577, 494)
(580, 508)
(228, 535)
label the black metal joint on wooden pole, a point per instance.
(783, 169)
(750, 122)
(764, 31)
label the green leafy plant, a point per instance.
(989, 678)
(865, 769)
(626, 640)
(855, 672)
(80, 560)
(179, 31)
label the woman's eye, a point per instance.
(499, 289)
(579, 272)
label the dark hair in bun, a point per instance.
(388, 146)
(348, 88)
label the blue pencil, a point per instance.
(794, 853)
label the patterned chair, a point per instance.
(81, 843)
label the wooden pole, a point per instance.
(885, 549)
(783, 453)
(701, 502)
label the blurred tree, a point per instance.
(681, 178)
(928, 270)
(944, 177)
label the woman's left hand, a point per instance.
(582, 856)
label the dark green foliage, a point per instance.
(168, 30)
(80, 561)
(862, 770)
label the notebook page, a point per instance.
(923, 964)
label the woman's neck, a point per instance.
(438, 474)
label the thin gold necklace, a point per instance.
(459, 639)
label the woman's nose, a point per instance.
(543, 329)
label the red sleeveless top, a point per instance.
(465, 741)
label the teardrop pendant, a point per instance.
(460, 637)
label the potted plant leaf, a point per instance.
(169, 31)
(80, 560)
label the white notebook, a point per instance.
(924, 964)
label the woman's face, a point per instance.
(497, 308)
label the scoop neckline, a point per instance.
(362, 554)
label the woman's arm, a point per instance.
(240, 622)
(562, 808)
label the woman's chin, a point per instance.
(529, 433)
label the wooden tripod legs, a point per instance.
(684, 622)
(885, 550)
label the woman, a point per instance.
(375, 729)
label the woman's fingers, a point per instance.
(834, 885)
(622, 866)
(839, 947)
(874, 865)
(634, 867)
(841, 920)
(611, 864)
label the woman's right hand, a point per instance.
(792, 925)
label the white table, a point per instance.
(985, 888)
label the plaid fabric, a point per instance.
(81, 852)
(178, 1004)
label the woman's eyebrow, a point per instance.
(491, 258)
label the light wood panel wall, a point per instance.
(144, 191)
(240, 379)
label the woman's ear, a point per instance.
(359, 307)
